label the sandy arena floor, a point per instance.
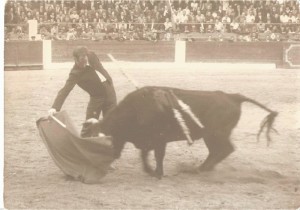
(254, 176)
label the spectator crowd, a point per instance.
(152, 19)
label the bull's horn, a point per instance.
(92, 120)
(101, 135)
(105, 140)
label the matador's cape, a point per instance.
(84, 159)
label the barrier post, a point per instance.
(47, 54)
(32, 29)
(180, 48)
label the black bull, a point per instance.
(146, 118)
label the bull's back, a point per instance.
(215, 109)
(212, 107)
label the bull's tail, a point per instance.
(267, 121)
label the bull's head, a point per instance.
(94, 127)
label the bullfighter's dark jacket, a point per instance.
(86, 78)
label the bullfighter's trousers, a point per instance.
(97, 105)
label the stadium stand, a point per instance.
(230, 20)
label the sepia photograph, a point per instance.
(151, 104)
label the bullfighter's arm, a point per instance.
(64, 92)
(96, 64)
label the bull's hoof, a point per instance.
(149, 171)
(153, 173)
(158, 176)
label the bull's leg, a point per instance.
(159, 152)
(146, 166)
(210, 143)
(219, 148)
(225, 149)
(206, 165)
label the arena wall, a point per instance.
(23, 55)
(264, 52)
(31, 54)
(135, 51)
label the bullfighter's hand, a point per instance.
(52, 111)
